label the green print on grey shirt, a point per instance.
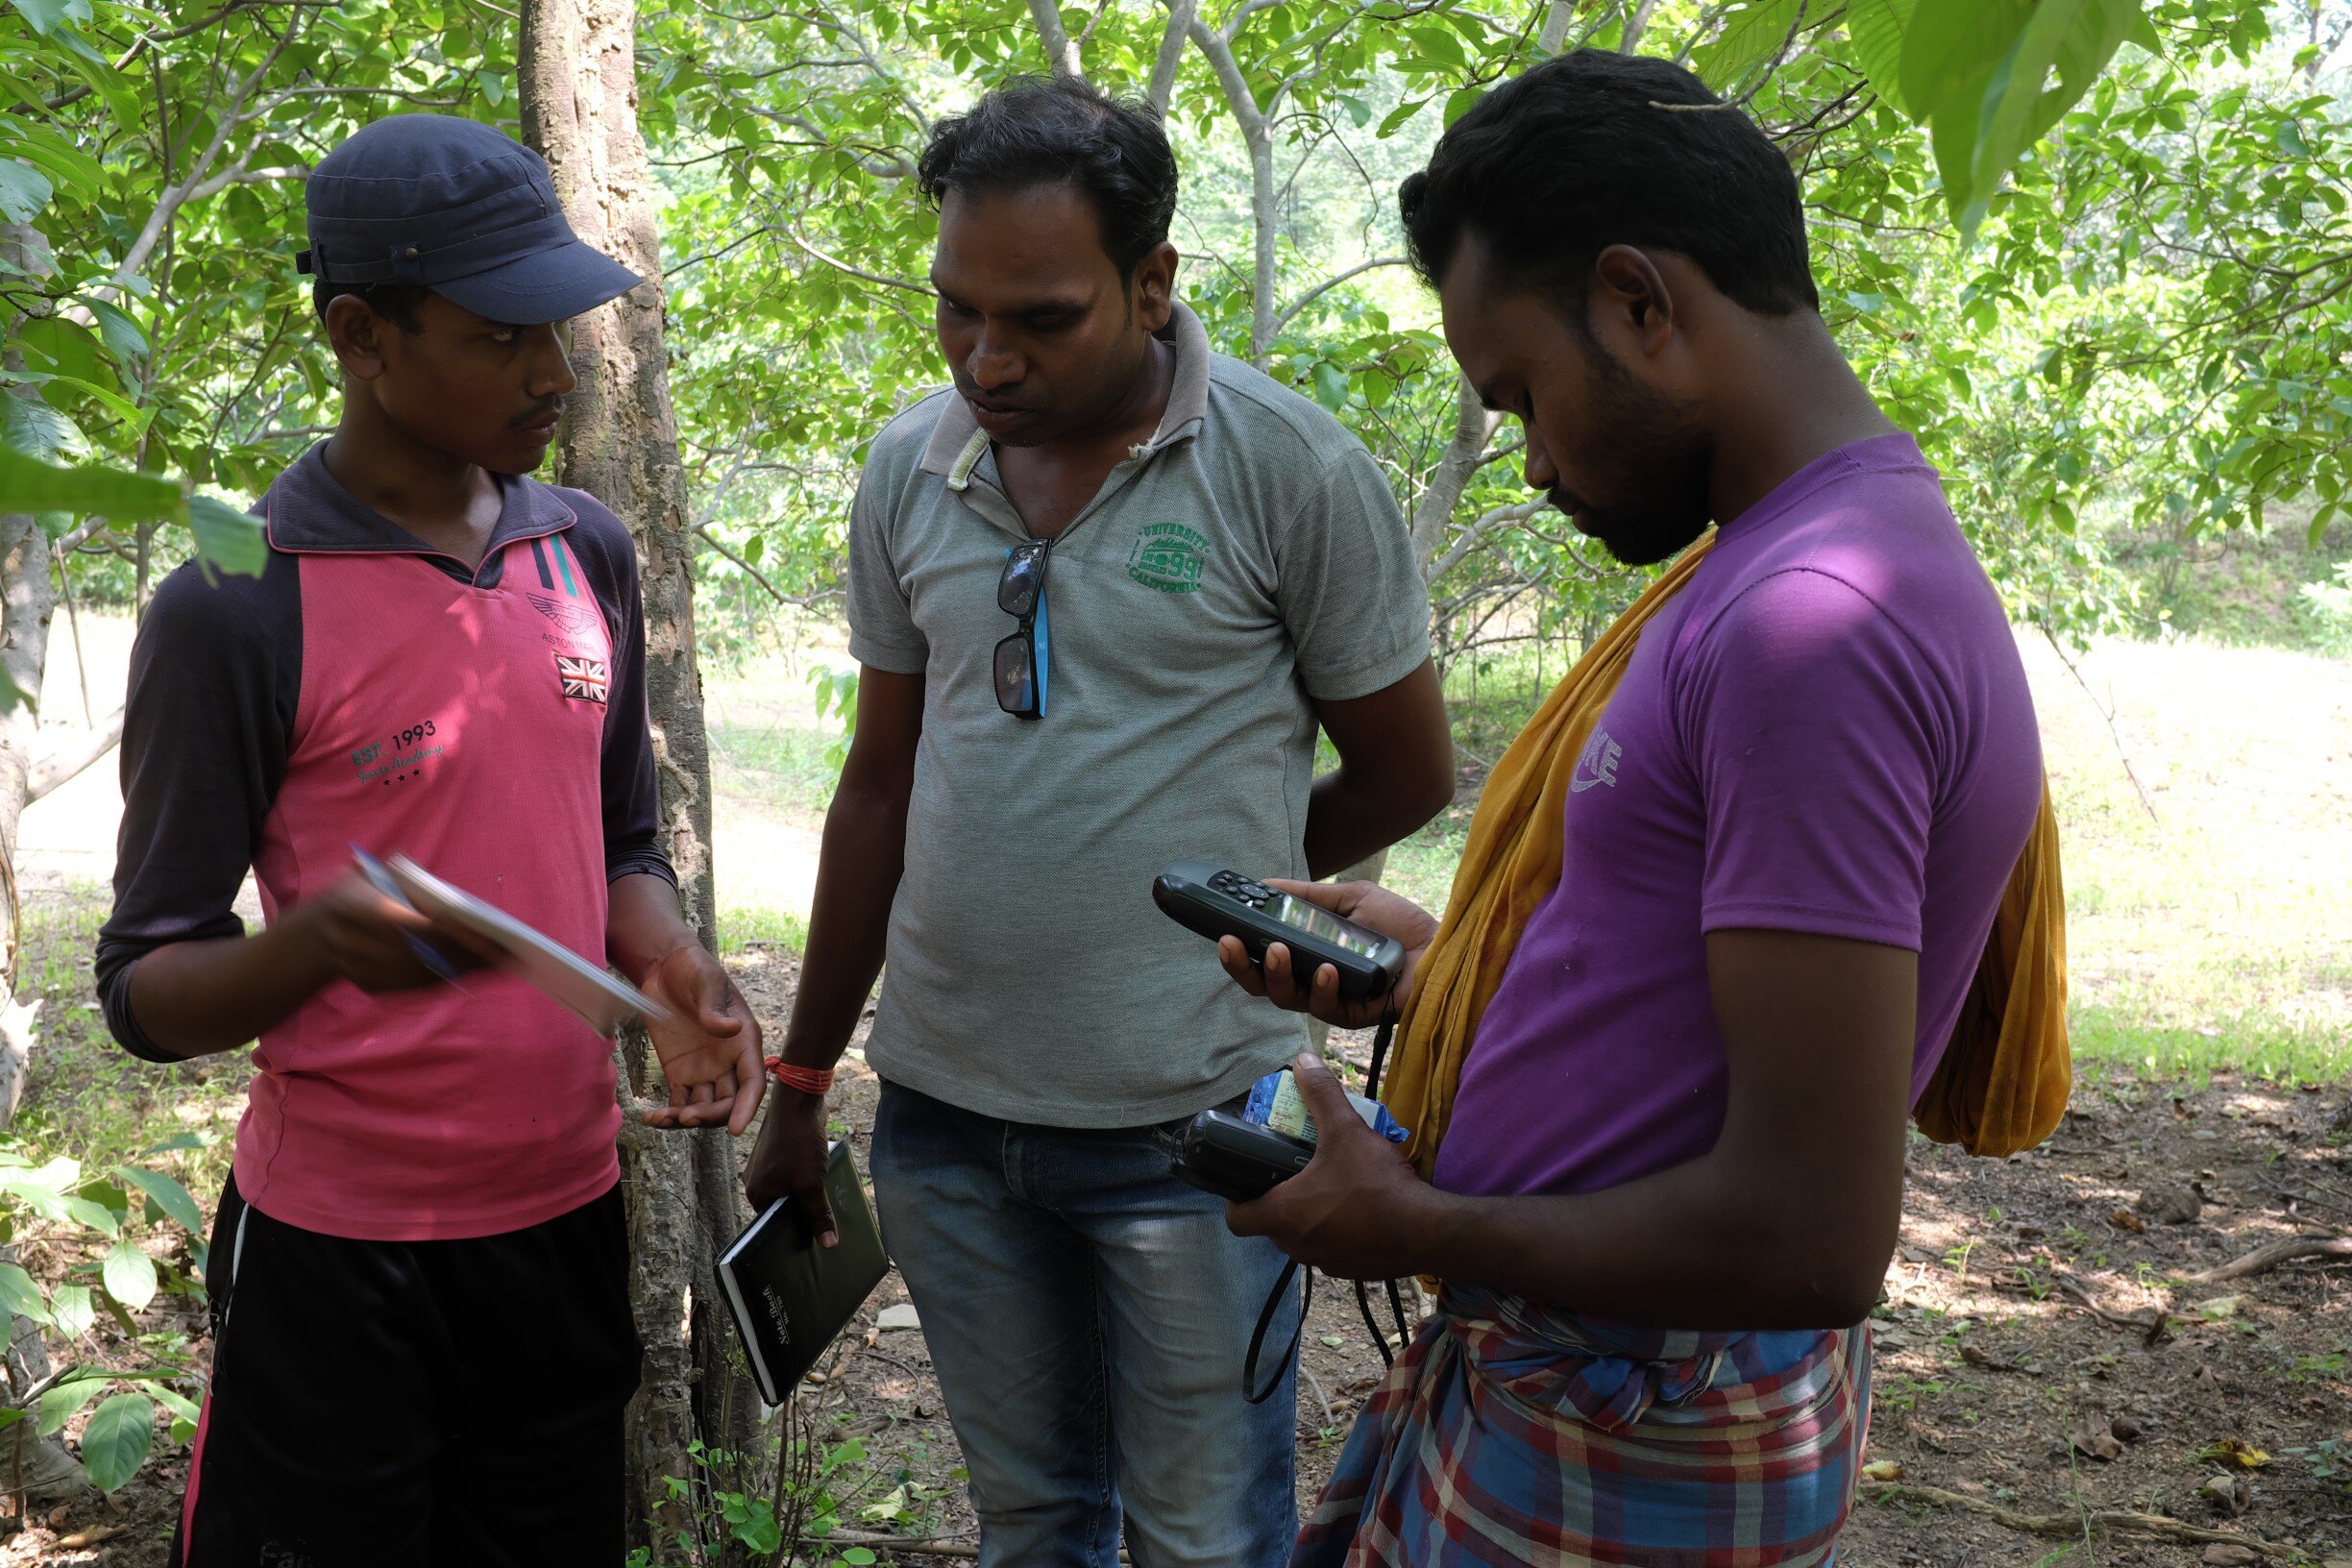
(1168, 557)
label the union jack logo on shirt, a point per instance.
(582, 678)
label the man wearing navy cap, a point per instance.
(420, 1268)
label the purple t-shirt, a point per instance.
(1826, 730)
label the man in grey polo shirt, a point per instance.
(1103, 592)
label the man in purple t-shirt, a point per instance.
(1673, 1173)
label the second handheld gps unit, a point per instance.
(1217, 902)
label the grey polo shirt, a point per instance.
(1245, 560)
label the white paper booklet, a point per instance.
(605, 1001)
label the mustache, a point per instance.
(537, 413)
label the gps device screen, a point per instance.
(1317, 921)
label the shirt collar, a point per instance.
(307, 512)
(958, 443)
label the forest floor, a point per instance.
(2053, 1381)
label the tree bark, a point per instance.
(37, 1467)
(1258, 136)
(1163, 85)
(1442, 492)
(1060, 51)
(576, 73)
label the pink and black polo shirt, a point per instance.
(489, 723)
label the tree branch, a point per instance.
(1217, 48)
(60, 768)
(1060, 51)
(1464, 455)
(1471, 537)
(2264, 1259)
(231, 117)
(837, 265)
(702, 532)
(1285, 317)
(1181, 13)
(239, 174)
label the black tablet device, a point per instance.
(1217, 902)
(790, 1297)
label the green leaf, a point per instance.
(1749, 37)
(2289, 138)
(44, 15)
(20, 1295)
(1876, 28)
(96, 1215)
(24, 190)
(857, 1557)
(31, 428)
(2076, 39)
(170, 1196)
(1397, 117)
(121, 334)
(229, 537)
(176, 1402)
(71, 1311)
(1953, 45)
(129, 1275)
(62, 1401)
(63, 162)
(29, 487)
(115, 1442)
(1330, 386)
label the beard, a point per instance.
(1651, 463)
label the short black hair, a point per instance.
(396, 302)
(1594, 149)
(1032, 132)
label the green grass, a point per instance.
(789, 766)
(744, 928)
(2239, 589)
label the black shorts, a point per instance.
(414, 1402)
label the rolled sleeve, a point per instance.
(1349, 589)
(882, 629)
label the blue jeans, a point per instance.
(1088, 1316)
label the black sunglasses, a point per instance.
(1022, 658)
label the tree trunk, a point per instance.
(37, 1467)
(578, 90)
(1258, 136)
(1442, 492)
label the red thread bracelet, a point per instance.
(807, 1080)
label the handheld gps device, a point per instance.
(1217, 902)
(1235, 1158)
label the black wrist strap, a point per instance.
(1265, 1320)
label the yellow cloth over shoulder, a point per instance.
(2003, 1081)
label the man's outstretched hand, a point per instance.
(1359, 1210)
(1367, 904)
(709, 1045)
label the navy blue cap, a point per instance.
(460, 208)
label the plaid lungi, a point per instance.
(1507, 1434)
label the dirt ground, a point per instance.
(2043, 1350)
